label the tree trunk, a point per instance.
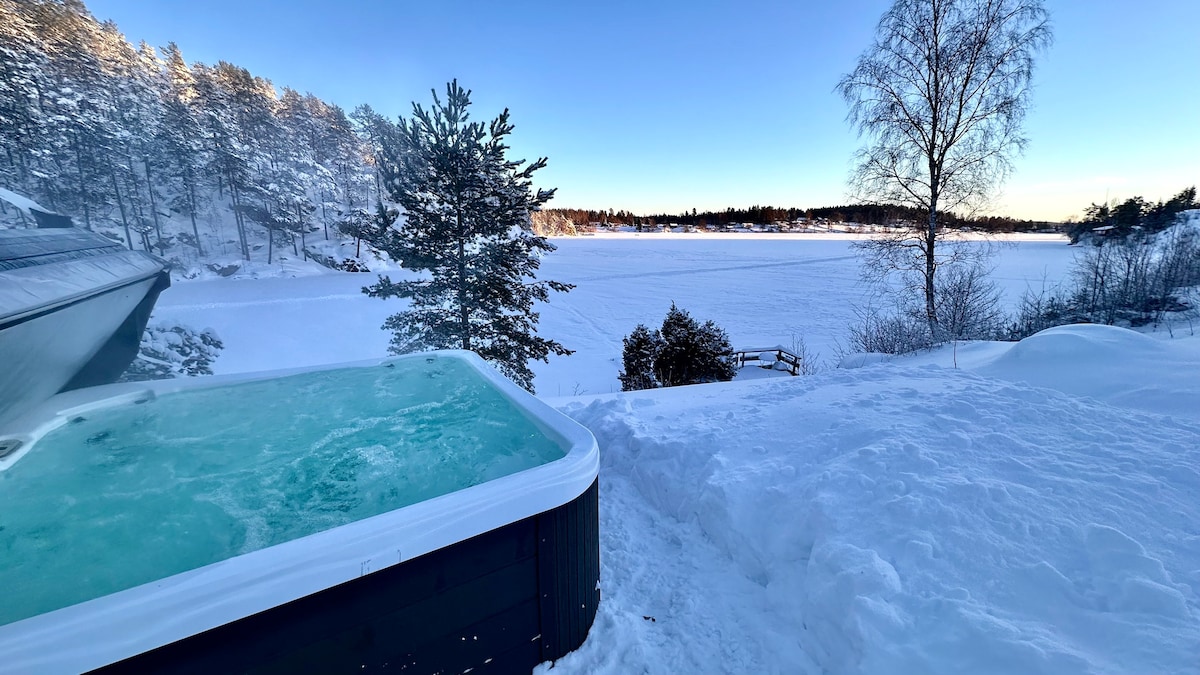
(931, 270)
(464, 312)
(299, 226)
(121, 205)
(153, 201)
(192, 213)
(270, 236)
(83, 199)
(324, 218)
(135, 206)
(241, 224)
(303, 241)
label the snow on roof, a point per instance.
(21, 202)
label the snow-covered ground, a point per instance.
(1033, 510)
(908, 517)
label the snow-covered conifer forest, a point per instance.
(192, 161)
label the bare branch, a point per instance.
(939, 97)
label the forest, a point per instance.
(557, 220)
(137, 143)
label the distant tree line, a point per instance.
(137, 143)
(1122, 219)
(557, 220)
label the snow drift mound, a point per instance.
(1116, 365)
(897, 520)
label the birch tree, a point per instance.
(939, 98)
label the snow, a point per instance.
(21, 202)
(897, 518)
(762, 289)
(273, 323)
(982, 508)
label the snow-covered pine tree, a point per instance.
(466, 226)
(371, 128)
(342, 154)
(683, 351)
(23, 76)
(692, 353)
(641, 348)
(181, 141)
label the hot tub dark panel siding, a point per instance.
(568, 569)
(500, 602)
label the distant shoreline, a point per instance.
(808, 236)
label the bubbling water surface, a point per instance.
(123, 496)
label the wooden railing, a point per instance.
(744, 357)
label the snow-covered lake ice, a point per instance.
(763, 290)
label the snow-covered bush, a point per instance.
(967, 307)
(170, 350)
(1136, 280)
(877, 332)
(641, 348)
(683, 351)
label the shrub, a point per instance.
(683, 351)
(1136, 280)
(173, 351)
(967, 307)
(879, 333)
(641, 348)
(1045, 308)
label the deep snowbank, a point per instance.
(899, 519)
(1148, 372)
(1110, 364)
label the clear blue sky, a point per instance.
(667, 106)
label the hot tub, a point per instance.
(421, 514)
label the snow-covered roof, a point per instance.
(21, 202)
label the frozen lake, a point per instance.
(762, 289)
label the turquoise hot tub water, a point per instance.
(124, 495)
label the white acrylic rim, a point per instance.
(114, 627)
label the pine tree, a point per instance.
(683, 351)
(228, 109)
(466, 227)
(342, 154)
(692, 353)
(181, 140)
(372, 129)
(23, 77)
(641, 349)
